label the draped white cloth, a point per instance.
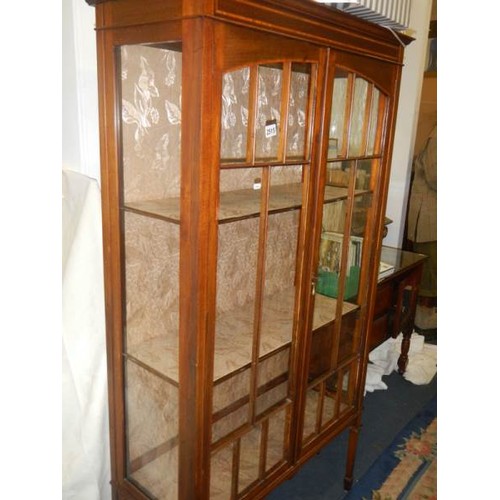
(421, 368)
(85, 434)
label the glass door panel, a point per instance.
(259, 215)
(150, 89)
(355, 134)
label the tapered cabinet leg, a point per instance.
(351, 456)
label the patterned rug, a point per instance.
(408, 467)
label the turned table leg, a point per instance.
(405, 314)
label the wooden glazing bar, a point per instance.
(351, 387)
(320, 406)
(381, 123)
(285, 104)
(252, 112)
(366, 120)
(259, 293)
(339, 393)
(235, 469)
(313, 83)
(264, 433)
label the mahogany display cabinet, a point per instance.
(245, 151)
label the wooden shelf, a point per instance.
(233, 337)
(240, 204)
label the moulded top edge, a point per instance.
(300, 18)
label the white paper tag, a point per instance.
(271, 128)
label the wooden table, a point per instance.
(397, 300)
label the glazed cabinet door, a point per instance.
(345, 246)
(269, 90)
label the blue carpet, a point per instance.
(385, 414)
(387, 462)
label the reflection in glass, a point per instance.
(357, 124)
(372, 131)
(337, 119)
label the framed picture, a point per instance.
(330, 251)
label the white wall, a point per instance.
(80, 121)
(406, 123)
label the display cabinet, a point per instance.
(245, 148)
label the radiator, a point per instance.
(394, 14)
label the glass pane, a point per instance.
(357, 124)
(267, 133)
(151, 122)
(249, 458)
(330, 251)
(234, 328)
(325, 336)
(152, 425)
(312, 413)
(234, 118)
(362, 203)
(276, 438)
(298, 112)
(346, 386)
(330, 406)
(337, 119)
(150, 89)
(278, 301)
(272, 380)
(230, 404)
(221, 478)
(337, 174)
(374, 121)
